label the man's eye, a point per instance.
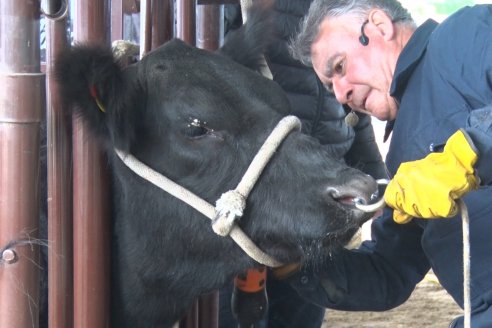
(338, 69)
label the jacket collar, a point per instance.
(410, 56)
(407, 61)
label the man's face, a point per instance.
(360, 76)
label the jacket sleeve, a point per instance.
(477, 76)
(479, 128)
(364, 153)
(473, 77)
(378, 276)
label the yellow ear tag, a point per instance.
(93, 92)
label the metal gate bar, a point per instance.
(59, 178)
(21, 111)
(91, 200)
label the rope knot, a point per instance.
(228, 208)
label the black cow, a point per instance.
(199, 118)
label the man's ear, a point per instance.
(381, 24)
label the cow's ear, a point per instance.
(92, 83)
(247, 44)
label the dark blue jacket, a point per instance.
(443, 82)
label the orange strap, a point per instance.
(285, 271)
(253, 281)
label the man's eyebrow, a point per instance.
(328, 71)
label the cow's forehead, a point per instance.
(179, 71)
(179, 67)
(177, 54)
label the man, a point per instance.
(433, 84)
(323, 118)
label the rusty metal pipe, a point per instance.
(217, 2)
(91, 202)
(145, 26)
(191, 318)
(116, 20)
(209, 310)
(162, 21)
(209, 26)
(54, 8)
(21, 111)
(186, 21)
(60, 256)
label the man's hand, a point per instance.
(428, 188)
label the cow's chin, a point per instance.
(348, 235)
(343, 238)
(316, 250)
(355, 241)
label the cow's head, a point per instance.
(199, 118)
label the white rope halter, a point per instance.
(231, 204)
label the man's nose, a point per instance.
(343, 90)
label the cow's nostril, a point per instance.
(333, 192)
(343, 197)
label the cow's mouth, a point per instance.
(348, 199)
(360, 204)
(355, 201)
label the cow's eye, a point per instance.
(195, 128)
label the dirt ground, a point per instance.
(429, 306)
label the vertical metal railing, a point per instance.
(162, 21)
(79, 289)
(21, 111)
(209, 26)
(91, 201)
(117, 20)
(186, 21)
(145, 26)
(59, 178)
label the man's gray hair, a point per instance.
(300, 46)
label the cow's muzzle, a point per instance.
(359, 193)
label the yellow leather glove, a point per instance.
(428, 188)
